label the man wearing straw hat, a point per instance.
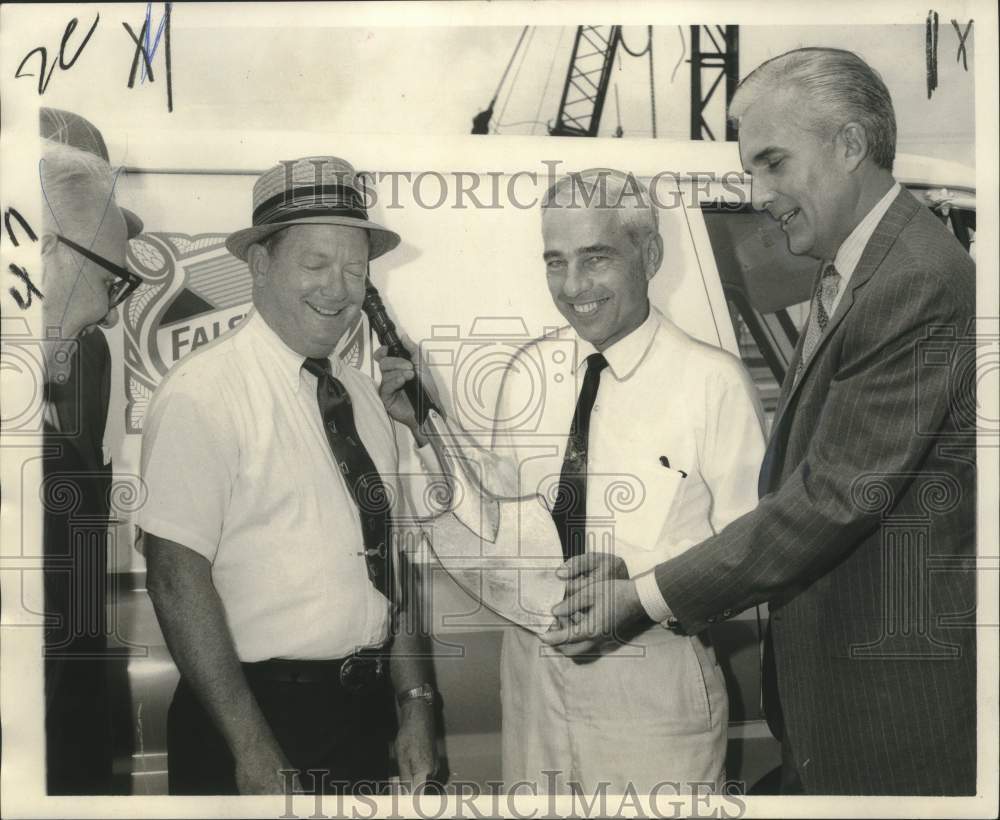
(272, 470)
(83, 246)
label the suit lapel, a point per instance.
(772, 457)
(793, 365)
(886, 232)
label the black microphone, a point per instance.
(384, 328)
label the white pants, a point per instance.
(651, 712)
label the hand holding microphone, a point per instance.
(402, 390)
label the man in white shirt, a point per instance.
(672, 453)
(272, 472)
(870, 474)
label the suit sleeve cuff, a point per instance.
(651, 598)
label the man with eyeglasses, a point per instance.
(83, 249)
(83, 244)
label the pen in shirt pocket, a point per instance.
(666, 463)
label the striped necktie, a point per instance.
(359, 471)
(819, 314)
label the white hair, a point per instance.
(72, 182)
(607, 188)
(836, 87)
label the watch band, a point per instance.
(424, 692)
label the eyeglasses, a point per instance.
(125, 281)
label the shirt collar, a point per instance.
(625, 354)
(288, 362)
(849, 253)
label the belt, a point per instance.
(359, 671)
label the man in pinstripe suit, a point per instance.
(863, 542)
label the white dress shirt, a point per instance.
(675, 444)
(674, 449)
(850, 250)
(238, 468)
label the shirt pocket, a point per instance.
(640, 512)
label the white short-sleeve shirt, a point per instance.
(238, 468)
(676, 436)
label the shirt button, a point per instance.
(726, 613)
(711, 619)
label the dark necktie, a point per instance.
(359, 471)
(570, 509)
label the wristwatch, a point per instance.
(424, 692)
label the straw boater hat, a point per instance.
(78, 132)
(309, 191)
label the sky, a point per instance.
(241, 70)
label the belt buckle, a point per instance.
(351, 680)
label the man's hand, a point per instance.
(594, 615)
(396, 372)
(581, 570)
(416, 748)
(591, 567)
(258, 770)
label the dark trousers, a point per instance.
(318, 724)
(78, 739)
(84, 692)
(790, 783)
(78, 707)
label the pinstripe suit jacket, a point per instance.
(864, 539)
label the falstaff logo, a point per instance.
(193, 291)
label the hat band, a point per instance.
(310, 201)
